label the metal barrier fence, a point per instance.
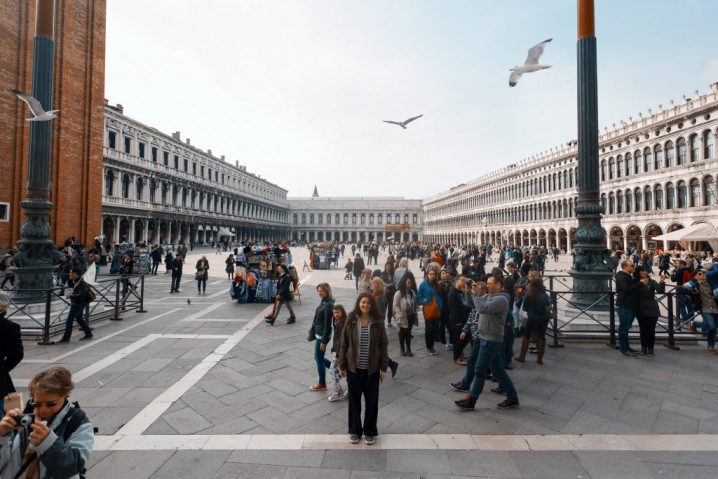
(602, 324)
(113, 295)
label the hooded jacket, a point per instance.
(492, 310)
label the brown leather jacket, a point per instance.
(349, 346)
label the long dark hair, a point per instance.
(356, 312)
(535, 289)
(402, 284)
(341, 309)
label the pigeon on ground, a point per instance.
(531, 64)
(403, 123)
(38, 113)
(189, 301)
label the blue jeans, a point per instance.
(76, 310)
(322, 362)
(685, 306)
(509, 340)
(709, 326)
(625, 321)
(490, 356)
(471, 364)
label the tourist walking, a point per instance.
(229, 268)
(647, 309)
(321, 331)
(156, 256)
(626, 303)
(537, 306)
(284, 295)
(357, 269)
(459, 309)
(492, 309)
(432, 304)
(202, 274)
(387, 276)
(177, 265)
(363, 357)
(404, 309)
(11, 349)
(78, 299)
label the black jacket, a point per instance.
(11, 353)
(283, 290)
(322, 324)
(458, 309)
(626, 291)
(79, 291)
(646, 299)
(358, 266)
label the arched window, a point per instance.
(603, 170)
(311, 218)
(619, 202)
(682, 194)
(670, 154)
(629, 201)
(629, 164)
(658, 196)
(658, 156)
(184, 197)
(153, 189)
(611, 168)
(603, 202)
(163, 193)
(670, 196)
(648, 199)
(637, 199)
(681, 143)
(611, 203)
(708, 144)
(695, 148)
(709, 191)
(109, 183)
(570, 178)
(647, 160)
(695, 193)
(619, 166)
(126, 186)
(140, 188)
(175, 193)
(637, 162)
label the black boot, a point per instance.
(644, 351)
(403, 350)
(393, 365)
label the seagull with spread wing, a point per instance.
(531, 64)
(38, 112)
(403, 123)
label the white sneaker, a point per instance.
(338, 395)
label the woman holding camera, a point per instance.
(51, 438)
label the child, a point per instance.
(340, 316)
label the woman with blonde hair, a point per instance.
(365, 282)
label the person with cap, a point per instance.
(78, 300)
(11, 350)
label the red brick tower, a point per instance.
(77, 131)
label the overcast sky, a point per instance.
(296, 90)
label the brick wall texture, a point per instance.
(77, 137)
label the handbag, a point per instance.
(431, 310)
(310, 335)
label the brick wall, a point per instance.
(77, 132)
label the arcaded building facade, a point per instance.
(355, 219)
(158, 188)
(657, 175)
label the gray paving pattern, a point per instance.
(262, 387)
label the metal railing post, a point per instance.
(671, 343)
(142, 295)
(612, 321)
(554, 313)
(46, 327)
(116, 317)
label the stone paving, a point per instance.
(208, 389)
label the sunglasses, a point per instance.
(48, 404)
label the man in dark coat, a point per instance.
(11, 350)
(358, 268)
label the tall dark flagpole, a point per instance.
(593, 265)
(37, 255)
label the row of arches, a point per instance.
(660, 156)
(691, 193)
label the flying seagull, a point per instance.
(531, 64)
(38, 113)
(403, 123)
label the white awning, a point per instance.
(224, 232)
(200, 228)
(697, 232)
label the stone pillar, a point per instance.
(644, 242)
(625, 243)
(131, 234)
(146, 231)
(116, 230)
